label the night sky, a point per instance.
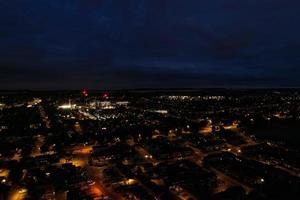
(118, 44)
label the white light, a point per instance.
(66, 106)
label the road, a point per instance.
(225, 181)
(142, 152)
(16, 194)
(229, 180)
(95, 173)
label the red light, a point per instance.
(84, 93)
(105, 95)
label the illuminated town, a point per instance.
(149, 100)
(150, 145)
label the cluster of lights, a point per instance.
(2, 106)
(193, 98)
(158, 111)
(67, 106)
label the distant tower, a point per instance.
(84, 94)
(105, 95)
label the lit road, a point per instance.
(95, 173)
(225, 181)
(39, 141)
(44, 117)
(229, 181)
(17, 195)
(143, 152)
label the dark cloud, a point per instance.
(149, 43)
